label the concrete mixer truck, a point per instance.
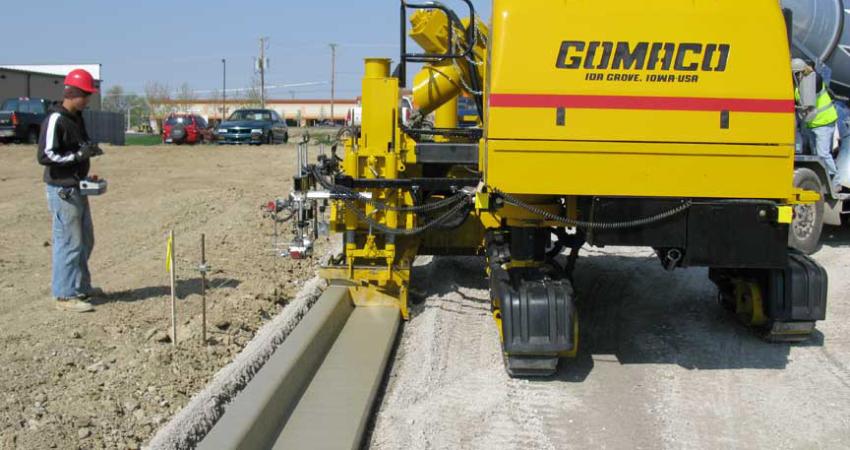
(820, 34)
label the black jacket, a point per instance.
(62, 135)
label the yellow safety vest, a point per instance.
(826, 112)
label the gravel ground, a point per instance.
(107, 379)
(661, 365)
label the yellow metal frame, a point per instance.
(543, 154)
(373, 286)
(595, 149)
(749, 303)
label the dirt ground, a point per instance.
(107, 379)
(661, 366)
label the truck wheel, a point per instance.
(270, 138)
(286, 138)
(32, 136)
(808, 219)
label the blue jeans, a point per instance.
(73, 241)
(820, 140)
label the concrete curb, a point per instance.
(189, 426)
(253, 419)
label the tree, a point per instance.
(158, 97)
(254, 98)
(139, 110)
(115, 100)
(186, 97)
(216, 98)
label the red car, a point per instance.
(185, 129)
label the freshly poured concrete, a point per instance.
(254, 418)
(317, 390)
(335, 409)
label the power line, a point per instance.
(230, 90)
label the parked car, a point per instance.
(21, 118)
(253, 126)
(185, 129)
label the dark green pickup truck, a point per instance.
(21, 118)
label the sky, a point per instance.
(176, 42)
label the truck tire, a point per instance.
(807, 227)
(32, 136)
(286, 138)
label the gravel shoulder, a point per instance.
(661, 365)
(105, 380)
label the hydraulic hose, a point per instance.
(591, 225)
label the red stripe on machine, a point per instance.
(641, 103)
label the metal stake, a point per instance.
(203, 289)
(315, 221)
(173, 291)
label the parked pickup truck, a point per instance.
(20, 119)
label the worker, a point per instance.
(65, 152)
(817, 112)
(842, 162)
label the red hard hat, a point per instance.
(81, 79)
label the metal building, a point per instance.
(42, 81)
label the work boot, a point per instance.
(73, 305)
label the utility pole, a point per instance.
(223, 89)
(261, 66)
(333, 80)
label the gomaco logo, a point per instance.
(665, 56)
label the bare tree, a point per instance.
(216, 98)
(115, 100)
(253, 99)
(158, 98)
(186, 97)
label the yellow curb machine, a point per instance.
(662, 124)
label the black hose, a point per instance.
(406, 231)
(347, 194)
(590, 225)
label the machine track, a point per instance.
(317, 390)
(789, 332)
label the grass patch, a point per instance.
(143, 139)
